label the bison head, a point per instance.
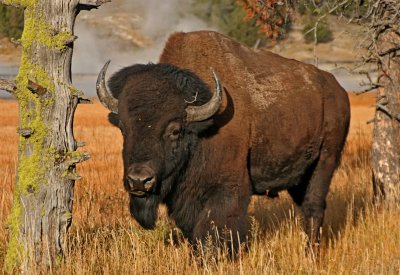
(161, 110)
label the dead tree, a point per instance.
(47, 156)
(384, 50)
(381, 21)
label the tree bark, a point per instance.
(43, 194)
(386, 133)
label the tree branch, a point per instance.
(8, 85)
(386, 110)
(25, 132)
(70, 40)
(84, 100)
(91, 4)
(77, 158)
(72, 175)
(15, 41)
(388, 51)
(366, 90)
(80, 143)
(371, 85)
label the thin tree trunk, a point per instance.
(42, 206)
(386, 133)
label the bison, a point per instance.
(271, 124)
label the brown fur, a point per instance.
(282, 125)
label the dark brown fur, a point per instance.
(282, 126)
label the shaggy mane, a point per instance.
(187, 82)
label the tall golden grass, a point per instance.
(357, 237)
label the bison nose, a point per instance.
(142, 180)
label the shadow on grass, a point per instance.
(343, 209)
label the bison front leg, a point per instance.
(224, 220)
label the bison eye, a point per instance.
(175, 134)
(173, 131)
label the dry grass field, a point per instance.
(357, 237)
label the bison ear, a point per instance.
(200, 126)
(114, 119)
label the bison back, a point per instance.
(274, 109)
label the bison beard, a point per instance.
(144, 210)
(281, 125)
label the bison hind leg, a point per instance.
(310, 194)
(298, 191)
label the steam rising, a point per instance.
(127, 32)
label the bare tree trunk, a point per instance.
(386, 134)
(42, 207)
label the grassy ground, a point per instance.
(357, 237)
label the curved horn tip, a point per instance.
(216, 79)
(102, 73)
(203, 112)
(104, 96)
(217, 82)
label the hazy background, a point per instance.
(127, 32)
(135, 31)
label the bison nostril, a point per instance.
(149, 183)
(141, 181)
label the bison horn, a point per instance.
(105, 97)
(205, 111)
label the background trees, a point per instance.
(383, 44)
(11, 21)
(230, 19)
